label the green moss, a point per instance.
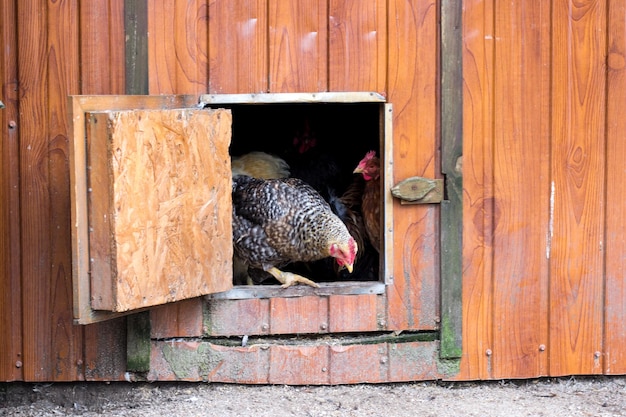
(188, 363)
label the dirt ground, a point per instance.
(598, 396)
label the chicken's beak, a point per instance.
(358, 170)
(349, 267)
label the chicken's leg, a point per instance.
(289, 278)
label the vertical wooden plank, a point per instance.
(102, 47)
(298, 46)
(578, 164)
(412, 77)
(521, 202)
(102, 69)
(238, 46)
(33, 123)
(452, 166)
(478, 213)
(11, 360)
(357, 35)
(48, 60)
(63, 79)
(615, 291)
(177, 47)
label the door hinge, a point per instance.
(418, 190)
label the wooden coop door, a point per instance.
(151, 191)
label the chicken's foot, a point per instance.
(289, 278)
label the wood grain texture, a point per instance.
(298, 46)
(478, 207)
(238, 55)
(10, 285)
(253, 317)
(357, 36)
(615, 287)
(48, 56)
(413, 300)
(353, 313)
(105, 350)
(63, 79)
(547, 120)
(101, 240)
(178, 47)
(170, 242)
(299, 315)
(299, 365)
(344, 359)
(521, 204)
(186, 320)
(102, 47)
(577, 166)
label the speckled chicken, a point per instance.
(279, 221)
(258, 165)
(369, 167)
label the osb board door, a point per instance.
(152, 197)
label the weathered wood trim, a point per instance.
(451, 166)
(298, 362)
(325, 289)
(136, 28)
(386, 146)
(324, 97)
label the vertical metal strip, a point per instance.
(452, 153)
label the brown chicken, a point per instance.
(369, 167)
(348, 208)
(279, 221)
(259, 165)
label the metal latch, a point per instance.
(418, 190)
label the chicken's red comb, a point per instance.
(369, 155)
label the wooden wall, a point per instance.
(544, 213)
(195, 46)
(544, 217)
(55, 49)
